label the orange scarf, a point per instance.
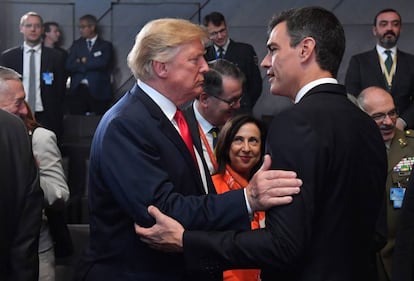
(231, 180)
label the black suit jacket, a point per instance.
(244, 56)
(364, 70)
(21, 203)
(52, 95)
(327, 232)
(138, 158)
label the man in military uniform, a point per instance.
(379, 104)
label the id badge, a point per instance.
(47, 77)
(397, 196)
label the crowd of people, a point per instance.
(184, 183)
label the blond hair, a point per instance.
(30, 14)
(160, 40)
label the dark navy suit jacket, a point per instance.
(96, 70)
(137, 159)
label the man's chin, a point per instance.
(387, 136)
(389, 43)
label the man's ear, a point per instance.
(374, 31)
(203, 98)
(307, 45)
(160, 68)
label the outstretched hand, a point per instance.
(166, 235)
(269, 188)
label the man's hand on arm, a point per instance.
(266, 189)
(166, 235)
(269, 188)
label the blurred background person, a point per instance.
(386, 66)
(42, 70)
(52, 37)
(239, 151)
(89, 65)
(241, 54)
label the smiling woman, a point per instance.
(239, 151)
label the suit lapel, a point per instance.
(402, 64)
(375, 60)
(193, 126)
(19, 61)
(195, 135)
(210, 53)
(44, 62)
(166, 127)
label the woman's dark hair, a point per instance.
(226, 137)
(30, 120)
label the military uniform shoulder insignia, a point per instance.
(409, 133)
(407, 138)
(402, 142)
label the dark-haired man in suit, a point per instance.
(222, 91)
(89, 65)
(386, 66)
(327, 232)
(241, 54)
(42, 70)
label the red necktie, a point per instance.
(185, 132)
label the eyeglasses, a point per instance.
(231, 102)
(380, 117)
(215, 33)
(30, 25)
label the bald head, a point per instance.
(379, 104)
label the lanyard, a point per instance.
(208, 147)
(388, 76)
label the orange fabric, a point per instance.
(223, 183)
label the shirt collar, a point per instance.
(312, 85)
(225, 46)
(93, 39)
(166, 105)
(381, 50)
(26, 47)
(204, 124)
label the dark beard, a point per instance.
(389, 43)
